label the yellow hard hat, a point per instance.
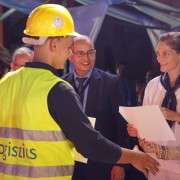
(50, 20)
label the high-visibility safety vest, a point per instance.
(32, 145)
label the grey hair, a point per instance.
(22, 51)
(83, 38)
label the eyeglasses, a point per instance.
(89, 53)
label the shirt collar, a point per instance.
(87, 75)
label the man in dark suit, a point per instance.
(101, 95)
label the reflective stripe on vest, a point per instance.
(35, 172)
(32, 135)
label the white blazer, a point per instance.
(154, 95)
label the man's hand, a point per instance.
(117, 173)
(132, 131)
(144, 163)
(141, 161)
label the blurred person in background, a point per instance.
(20, 56)
(128, 85)
(142, 86)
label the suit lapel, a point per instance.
(93, 90)
(70, 79)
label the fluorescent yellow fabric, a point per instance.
(29, 137)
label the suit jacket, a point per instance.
(103, 100)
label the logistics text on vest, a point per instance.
(17, 151)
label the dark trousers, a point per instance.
(92, 171)
(134, 174)
(100, 171)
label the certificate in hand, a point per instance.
(149, 122)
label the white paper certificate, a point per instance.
(149, 122)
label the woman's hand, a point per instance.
(148, 147)
(170, 115)
(132, 131)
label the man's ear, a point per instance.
(12, 66)
(53, 44)
(71, 57)
(179, 56)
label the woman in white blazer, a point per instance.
(164, 91)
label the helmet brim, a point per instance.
(33, 41)
(41, 40)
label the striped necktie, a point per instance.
(81, 88)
